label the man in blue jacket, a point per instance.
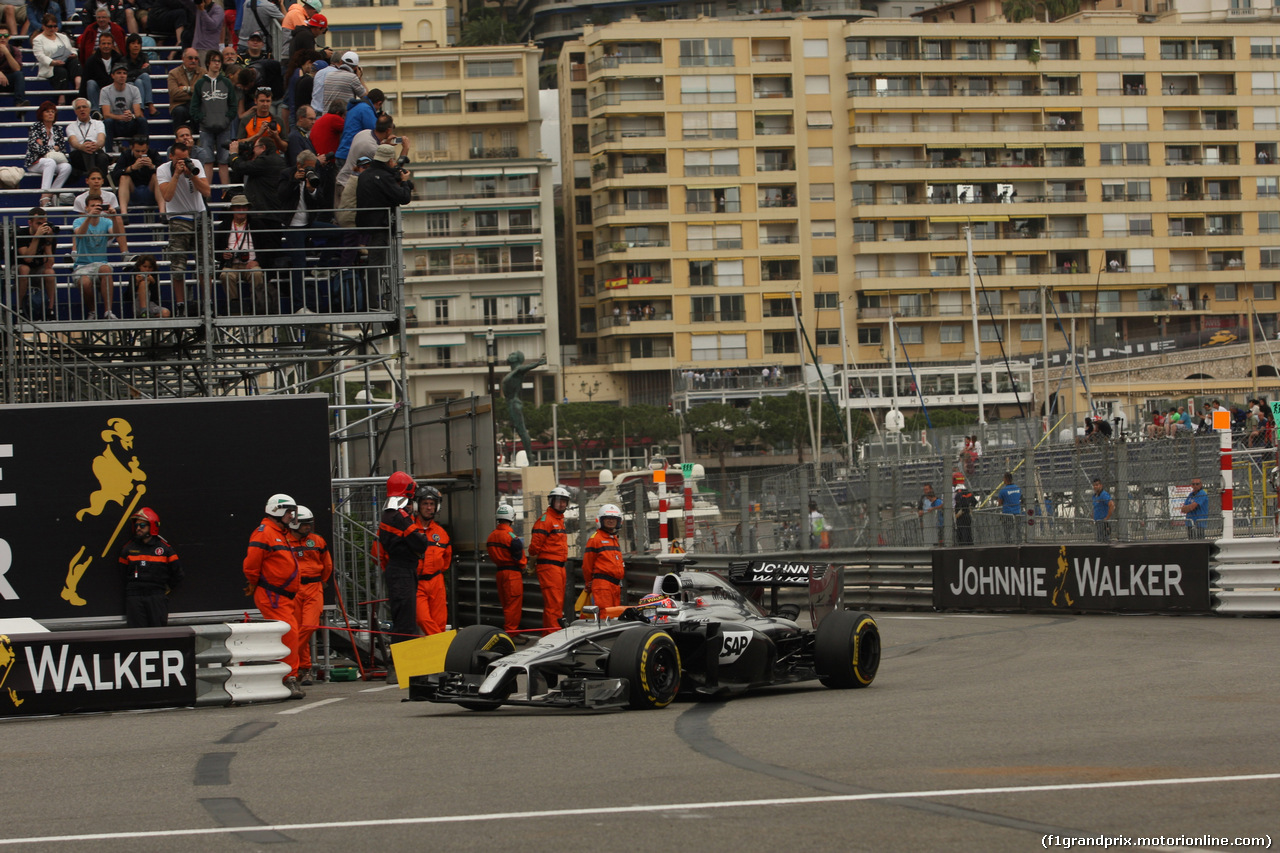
(361, 115)
(1196, 509)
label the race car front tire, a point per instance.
(847, 649)
(472, 650)
(650, 662)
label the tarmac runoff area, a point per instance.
(985, 733)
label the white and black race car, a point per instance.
(699, 635)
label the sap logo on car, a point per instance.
(735, 643)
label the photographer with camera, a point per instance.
(135, 175)
(365, 144)
(237, 259)
(37, 246)
(92, 235)
(258, 123)
(303, 192)
(384, 185)
(96, 179)
(184, 187)
(259, 165)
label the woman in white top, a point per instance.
(56, 57)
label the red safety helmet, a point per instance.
(401, 485)
(148, 515)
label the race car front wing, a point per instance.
(459, 688)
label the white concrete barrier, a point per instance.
(1246, 576)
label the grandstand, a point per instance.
(320, 315)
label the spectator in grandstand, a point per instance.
(121, 105)
(37, 246)
(138, 61)
(305, 37)
(182, 86)
(383, 187)
(47, 152)
(362, 114)
(1104, 506)
(344, 83)
(258, 124)
(213, 109)
(299, 80)
(183, 185)
(87, 140)
(146, 288)
(367, 142)
(11, 79)
(299, 139)
(184, 134)
(102, 25)
(135, 175)
(231, 60)
(299, 12)
(260, 18)
(97, 68)
(96, 179)
(301, 191)
(326, 133)
(56, 58)
(209, 22)
(171, 21)
(92, 234)
(237, 259)
(345, 215)
(257, 57)
(36, 10)
(318, 101)
(261, 167)
(965, 501)
(1009, 497)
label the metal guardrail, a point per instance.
(1246, 576)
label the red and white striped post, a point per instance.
(688, 516)
(660, 478)
(1224, 457)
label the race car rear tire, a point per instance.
(650, 662)
(847, 649)
(465, 655)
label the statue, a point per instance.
(511, 390)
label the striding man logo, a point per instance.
(7, 660)
(1060, 580)
(118, 483)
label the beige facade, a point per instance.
(479, 236)
(1126, 170)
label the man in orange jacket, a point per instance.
(433, 603)
(549, 547)
(602, 567)
(273, 572)
(507, 552)
(317, 568)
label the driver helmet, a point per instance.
(505, 512)
(653, 601)
(609, 511)
(304, 516)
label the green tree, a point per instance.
(782, 421)
(488, 27)
(584, 425)
(1021, 10)
(649, 424)
(718, 427)
(941, 419)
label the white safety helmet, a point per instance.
(304, 516)
(559, 492)
(280, 505)
(505, 512)
(608, 511)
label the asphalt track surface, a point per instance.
(981, 733)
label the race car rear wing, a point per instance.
(824, 581)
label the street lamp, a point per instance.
(590, 391)
(491, 353)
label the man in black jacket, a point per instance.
(151, 571)
(383, 186)
(260, 166)
(302, 192)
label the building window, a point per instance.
(817, 85)
(444, 356)
(821, 157)
(1267, 187)
(491, 68)
(345, 39)
(824, 265)
(989, 333)
(909, 334)
(733, 309)
(823, 192)
(869, 336)
(815, 48)
(1269, 222)
(826, 337)
(819, 228)
(1264, 291)
(951, 334)
(1031, 332)
(1224, 292)
(826, 300)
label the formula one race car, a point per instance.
(697, 634)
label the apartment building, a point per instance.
(1120, 168)
(479, 236)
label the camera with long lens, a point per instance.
(311, 177)
(240, 258)
(190, 164)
